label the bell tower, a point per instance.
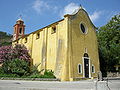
(19, 29)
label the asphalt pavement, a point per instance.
(56, 85)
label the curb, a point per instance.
(31, 79)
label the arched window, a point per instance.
(38, 35)
(26, 40)
(20, 30)
(53, 30)
(93, 69)
(79, 68)
(86, 55)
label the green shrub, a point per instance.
(16, 66)
(1, 70)
(35, 76)
(34, 70)
(48, 74)
(9, 75)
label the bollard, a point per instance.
(100, 76)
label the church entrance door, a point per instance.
(86, 67)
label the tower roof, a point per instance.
(19, 19)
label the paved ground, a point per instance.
(55, 85)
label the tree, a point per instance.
(5, 39)
(109, 44)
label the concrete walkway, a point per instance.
(56, 85)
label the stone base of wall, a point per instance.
(30, 79)
(113, 74)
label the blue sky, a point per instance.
(39, 13)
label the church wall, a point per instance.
(27, 41)
(51, 49)
(61, 66)
(44, 49)
(80, 41)
(57, 49)
(37, 48)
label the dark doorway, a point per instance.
(20, 30)
(86, 67)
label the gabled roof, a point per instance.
(82, 9)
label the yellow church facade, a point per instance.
(68, 47)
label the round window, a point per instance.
(82, 27)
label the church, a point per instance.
(68, 47)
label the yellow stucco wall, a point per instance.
(81, 43)
(62, 51)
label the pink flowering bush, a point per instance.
(10, 53)
(15, 60)
(5, 53)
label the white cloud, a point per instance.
(69, 9)
(96, 15)
(39, 5)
